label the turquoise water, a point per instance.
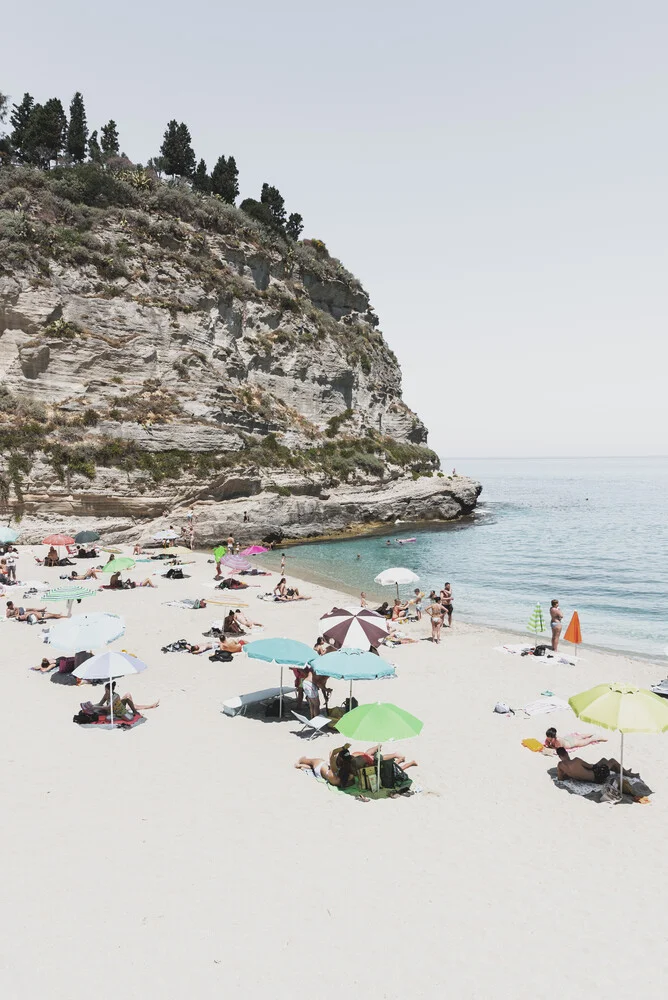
(592, 532)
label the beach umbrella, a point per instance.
(73, 593)
(573, 633)
(58, 540)
(396, 576)
(253, 550)
(378, 723)
(86, 536)
(165, 536)
(7, 535)
(622, 708)
(105, 667)
(285, 652)
(236, 563)
(112, 550)
(90, 631)
(354, 627)
(351, 665)
(219, 552)
(118, 565)
(536, 622)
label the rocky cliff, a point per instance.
(161, 350)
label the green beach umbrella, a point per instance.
(536, 622)
(379, 723)
(117, 565)
(69, 594)
(622, 708)
(219, 552)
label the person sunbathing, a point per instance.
(90, 574)
(21, 614)
(336, 771)
(284, 593)
(230, 583)
(580, 770)
(124, 708)
(46, 666)
(51, 558)
(231, 626)
(384, 610)
(245, 620)
(395, 755)
(572, 741)
(115, 583)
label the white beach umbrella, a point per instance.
(91, 631)
(105, 666)
(395, 576)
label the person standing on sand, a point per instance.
(363, 601)
(446, 601)
(437, 613)
(282, 563)
(556, 617)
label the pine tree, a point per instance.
(109, 139)
(45, 133)
(78, 132)
(273, 199)
(201, 179)
(4, 101)
(19, 119)
(294, 226)
(94, 151)
(177, 150)
(156, 163)
(257, 211)
(225, 179)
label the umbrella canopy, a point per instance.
(395, 576)
(623, 708)
(118, 565)
(113, 550)
(58, 540)
(378, 723)
(219, 552)
(70, 594)
(536, 622)
(86, 536)
(236, 562)
(165, 536)
(351, 665)
(354, 627)
(89, 631)
(573, 633)
(253, 550)
(288, 652)
(7, 535)
(105, 666)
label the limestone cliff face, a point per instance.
(152, 355)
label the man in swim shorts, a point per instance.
(580, 770)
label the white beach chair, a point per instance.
(239, 704)
(317, 725)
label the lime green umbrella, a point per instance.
(622, 708)
(117, 565)
(219, 552)
(536, 622)
(379, 723)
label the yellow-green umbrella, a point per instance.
(622, 708)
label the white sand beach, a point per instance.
(188, 857)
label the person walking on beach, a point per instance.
(556, 617)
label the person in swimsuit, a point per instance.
(311, 689)
(446, 601)
(337, 771)
(437, 613)
(398, 610)
(572, 741)
(124, 708)
(556, 617)
(580, 770)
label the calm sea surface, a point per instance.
(592, 532)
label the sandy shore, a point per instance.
(189, 858)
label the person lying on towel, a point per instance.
(571, 741)
(580, 770)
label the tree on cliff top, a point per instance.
(77, 133)
(225, 179)
(201, 179)
(177, 150)
(45, 133)
(109, 143)
(19, 119)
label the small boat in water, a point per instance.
(405, 541)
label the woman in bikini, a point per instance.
(437, 614)
(571, 741)
(337, 771)
(556, 617)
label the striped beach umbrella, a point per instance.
(69, 594)
(536, 622)
(355, 628)
(236, 563)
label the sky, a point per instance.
(494, 173)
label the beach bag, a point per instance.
(367, 779)
(502, 709)
(272, 709)
(221, 655)
(31, 619)
(540, 650)
(83, 719)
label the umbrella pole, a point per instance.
(380, 757)
(111, 701)
(397, 586)
(280, 696)
(621, 767)
(350, 697)
(69, 608)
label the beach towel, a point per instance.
(544, 706)
(103, 720)
(525, 648)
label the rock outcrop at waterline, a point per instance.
(161, 350)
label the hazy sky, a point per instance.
(494, 172)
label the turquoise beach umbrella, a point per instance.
(285, 652)
(351, 665)
(536, 622)
(7, 535)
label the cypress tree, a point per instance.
(225, 179)
(294, 226)
(201, 180)
(77, 133)
(45, 133)
(169, 148)
(177, 150)
(273, 199)
(19, 119)
(186, 151)
(94, 151)
(109, 139)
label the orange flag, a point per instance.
(573, 632)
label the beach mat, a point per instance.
(102, 722)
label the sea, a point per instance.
(592, 532)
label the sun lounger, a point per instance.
(317, 725)
(239, 704)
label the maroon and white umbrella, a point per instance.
(355, 628)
